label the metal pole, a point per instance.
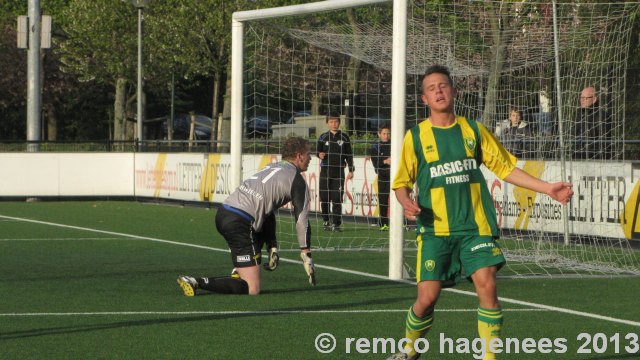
(563, 162)
(398, 110)
(34, 94)
(139, 94)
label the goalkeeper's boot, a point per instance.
(234, 274)
(403, 356)
(188, 285)
(327, 226)
(384, 227)
(274, 259)
(338, 228)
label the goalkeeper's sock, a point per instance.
(416, 327)
(489, 326)
(224, 285)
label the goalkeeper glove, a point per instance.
(274, 259)
(307, 261)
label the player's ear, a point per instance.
(424, 99)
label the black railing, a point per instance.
(532, 148)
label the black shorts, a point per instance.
(244, 243)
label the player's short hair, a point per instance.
(384, 125)
(293, 146)
(437, 69)
(333, 114)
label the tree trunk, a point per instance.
(119, 110)
(216, 105)
(52, 123)
(224, 127)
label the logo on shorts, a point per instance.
(496, 251)
(243, 258)
(430, 265)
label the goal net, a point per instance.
(549, 81)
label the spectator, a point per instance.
(516, 135)
(592, 129)
(381, 158)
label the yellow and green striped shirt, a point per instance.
(445, 164)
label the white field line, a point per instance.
(233, 312)
(347, 271)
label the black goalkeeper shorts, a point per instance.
(245, 244)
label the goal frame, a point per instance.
(396, 236)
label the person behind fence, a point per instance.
(456, 219)
(592, 130)
(335, 152)
(380, 153)
(247, 221)
(517, 135)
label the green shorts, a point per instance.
(443, 257)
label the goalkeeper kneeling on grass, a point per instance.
(247, 221)
(456, 219)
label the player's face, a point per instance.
(438, 93)
(384, 135)
(333, 124)
(303, 159)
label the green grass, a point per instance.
(71, 293)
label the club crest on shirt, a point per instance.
(340, 142)
(470, 143)
(429, 149)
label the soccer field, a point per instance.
(96, 279)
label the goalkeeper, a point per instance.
(456, 219)
(247, 220)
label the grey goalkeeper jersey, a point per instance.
(271, 188)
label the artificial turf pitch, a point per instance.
(96, 280)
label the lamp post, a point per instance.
(139, 4)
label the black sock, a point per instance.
(224, 285)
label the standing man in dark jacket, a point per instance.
(334, 151)
(380, 153)
(592, 129)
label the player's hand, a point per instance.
(274, 259)
(349, 175)
(307, 261)
(561, 192)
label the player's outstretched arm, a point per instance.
(411, 208)
(559, 191)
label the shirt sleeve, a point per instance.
(300, 202)
(348, 153)
(407, 165)
(494, 156)
(375, 156)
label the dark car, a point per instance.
(373, 123)
(258, 126)
(296, 114)
(182, 127)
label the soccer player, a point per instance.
(247, 220)
(456, 219)
(380, 153)
(334, 150)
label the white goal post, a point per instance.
(396, 236)
(536, 61)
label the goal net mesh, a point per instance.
(503, 58)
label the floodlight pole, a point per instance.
(34, 95)
(139, 4)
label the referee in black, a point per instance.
(247, 221)
(335, 152)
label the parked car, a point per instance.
(258, 126)
(182, 127)
(296, 114)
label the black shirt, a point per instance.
(379, 152)
(339, 153)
